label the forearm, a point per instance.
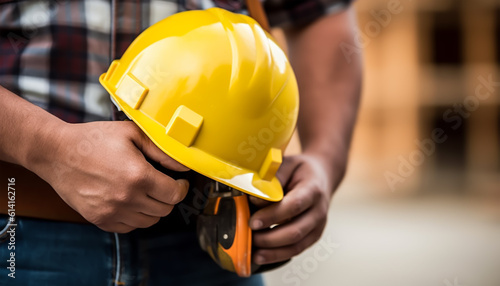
(329, 89)
(26, 131)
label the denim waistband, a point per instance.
(59, 253)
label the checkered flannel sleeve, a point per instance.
(53, 52)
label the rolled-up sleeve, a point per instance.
(296, 13)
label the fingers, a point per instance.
(166, 189)
(272, 255)
(152, 207)
(292, 205)
(287, 169)
(130, 221)
(149, 149)
(139, 220)
(116, 227)
(259, 202)
(289, 233)
(145, 212)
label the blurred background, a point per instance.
(420, 204)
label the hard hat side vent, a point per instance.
(184, 125)
(271, 164)
(132, 91)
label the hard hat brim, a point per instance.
(199, 161)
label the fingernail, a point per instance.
(260, 259)
(257, 224)
(184, 182)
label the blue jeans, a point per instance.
(59, 253)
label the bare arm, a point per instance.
(97, 168)
(329, 96)
(329, 88)
(25, 128)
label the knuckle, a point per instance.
(109, 213)
(297, 249)
(293, 159)
(296, 235)
(262, 240)
(103, 216)
(316, 193)
(122, 197)
(287, 159)
(322, 220)
(342, 170)
(296, 206)
(321, 211)
(95, 220)
(269, 219)
(270, 256)
(130, 129)
(137, 175)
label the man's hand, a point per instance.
(100, 171)
(329, 87)
(301, 215)
(99, 168)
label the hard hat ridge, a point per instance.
(215, 92)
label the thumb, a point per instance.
(260, 203)
(287, 168)
(150, 150)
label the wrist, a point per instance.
(334, 165)
(43, 145)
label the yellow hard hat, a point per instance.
(213, 91)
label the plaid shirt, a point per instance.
(53, 52)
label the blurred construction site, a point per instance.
(420, 204)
